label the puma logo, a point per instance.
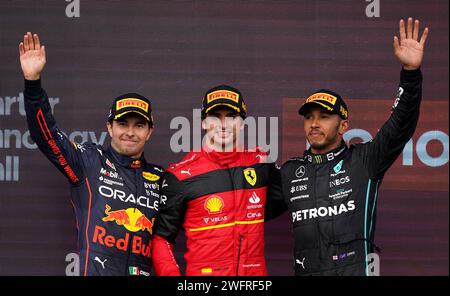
(100, 261)
(186, 172)
(302, 263)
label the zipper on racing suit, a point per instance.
(241, 238)
(130, 243)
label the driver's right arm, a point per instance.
(41, 123)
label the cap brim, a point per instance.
(132, 111)
(237, 109)
(307, 106)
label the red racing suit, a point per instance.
(221, 200)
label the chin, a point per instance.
(223, 141)
(318, 146)
(129, 152)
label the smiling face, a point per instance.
(129, 134)
(323, 130)
(222, 125)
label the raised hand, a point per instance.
(32, 56)
(409, 50)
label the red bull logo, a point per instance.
(143, 223)
(132, 219)
(136, 164)
(122, 244)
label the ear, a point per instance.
(109, 127)
(150, 131)
(203, 124)
(343, 127)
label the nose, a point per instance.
(315, 122)
(130, 132)
(223, 122)
(226, 122)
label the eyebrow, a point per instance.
(139, 121)
(231, 113)
(321, 111)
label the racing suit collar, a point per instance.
(222, 158)
(324, 158)
(125, 161)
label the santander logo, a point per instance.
(254, 198)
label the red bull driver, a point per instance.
(114, 191)
(220, 196)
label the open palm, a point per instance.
(32, 56)
(409, 49)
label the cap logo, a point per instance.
(244, 107)
(222, 94)
(132, 102)
(343, 112)
(322, 97)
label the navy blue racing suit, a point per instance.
(115, 197)
(332, 197)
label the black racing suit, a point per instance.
(115, 198)
(333, 197)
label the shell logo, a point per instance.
(214, 204)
